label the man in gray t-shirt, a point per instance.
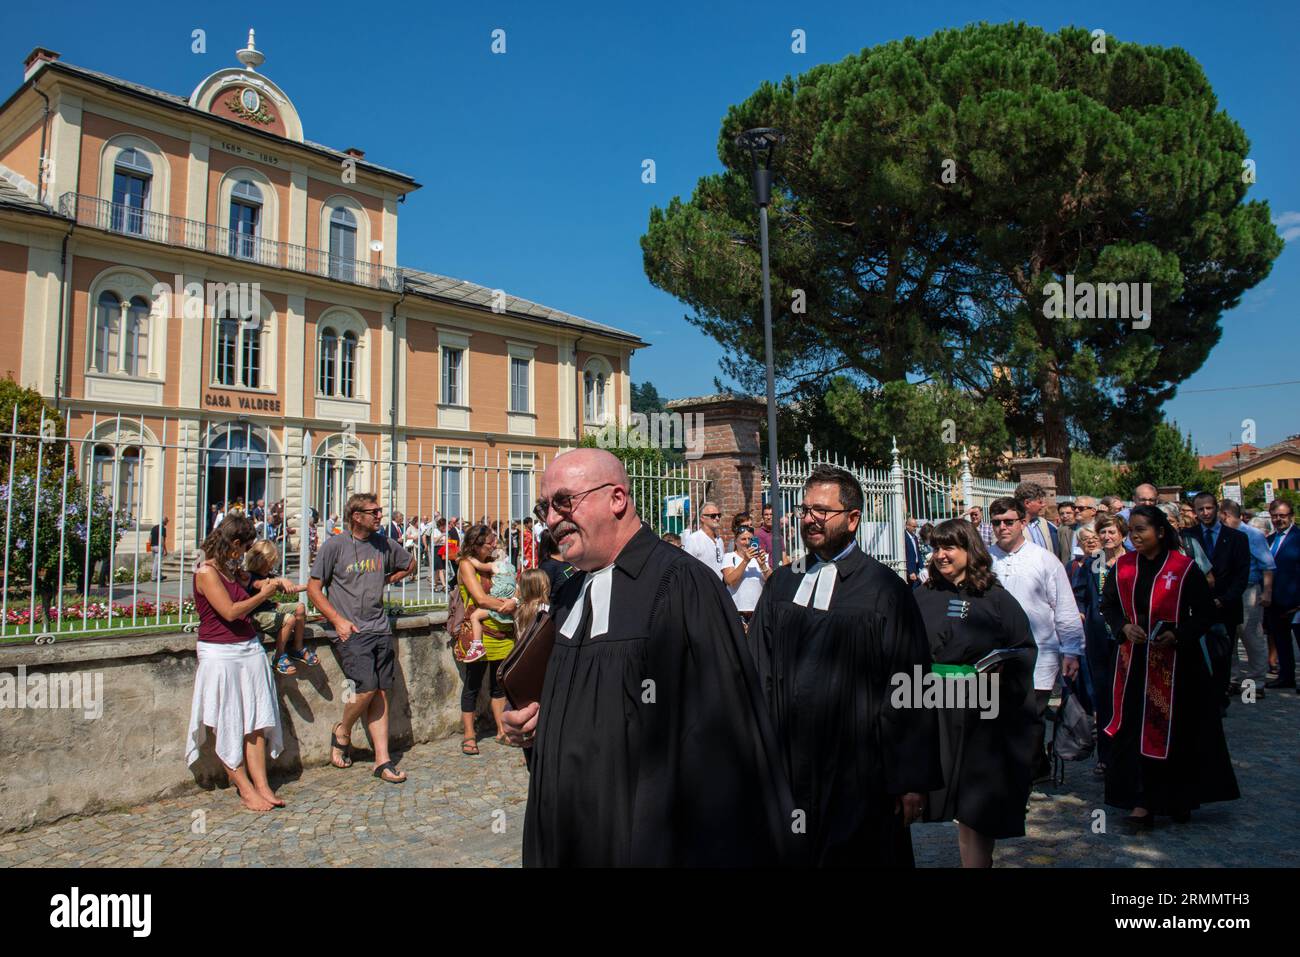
(355, 567)
(354, 572)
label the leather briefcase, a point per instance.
(524, 670)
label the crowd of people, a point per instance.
(778, 732)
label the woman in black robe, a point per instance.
(986, 761)
(1168, 754)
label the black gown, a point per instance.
(1198, 770)
(653, 746)
(826, 676)
(986, 761)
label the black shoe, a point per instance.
(1279, 683)
(1181, 817)
(1144, 823)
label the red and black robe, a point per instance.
(1168, 751)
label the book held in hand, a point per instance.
(997, 656)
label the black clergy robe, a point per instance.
(1197, 769)
(827, 679)
(653, 744)
(986, 761)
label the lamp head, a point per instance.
(762, 143)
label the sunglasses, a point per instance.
(1005, 521)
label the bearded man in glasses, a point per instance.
(650, 743)
(830, 634)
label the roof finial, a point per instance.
(249, 56)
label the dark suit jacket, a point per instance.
(1286, 577)
(913, 555)
(1230, 563)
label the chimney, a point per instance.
(353, 151)
(34, 60)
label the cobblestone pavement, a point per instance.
(458, 811)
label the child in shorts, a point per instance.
(503, 587)
(279, 620)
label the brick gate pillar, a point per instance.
(729, 452)
(1044, 471)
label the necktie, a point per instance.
(1278, 539)
(598, 584)
(822, 577)
(1209, 542)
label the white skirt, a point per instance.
(234, 693)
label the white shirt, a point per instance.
(1037, 579)
(745, 593)
(538, 528)
(706, 549)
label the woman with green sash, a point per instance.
(986, 733)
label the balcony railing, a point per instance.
(192, 234)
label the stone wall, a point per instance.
(56, 761)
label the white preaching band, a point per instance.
(819, 581)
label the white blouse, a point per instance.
(745, 593)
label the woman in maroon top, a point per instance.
(234, 689)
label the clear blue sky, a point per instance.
(531, 161)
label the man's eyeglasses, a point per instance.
(710, 515)
(1005, 521)
(819, 513)
(1279, 514)
(564, 503)
(370, 511)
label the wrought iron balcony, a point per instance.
(191, 234)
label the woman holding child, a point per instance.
(487, 585)
(234, 690)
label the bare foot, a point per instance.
(255, 802)
(269, 795)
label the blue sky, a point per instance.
(531, 161)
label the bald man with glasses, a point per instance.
(705, 543)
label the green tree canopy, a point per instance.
(930, 421)
(1093, 475)
(929, 191)
(1168, 460)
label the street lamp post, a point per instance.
(762, 143)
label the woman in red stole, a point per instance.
(1168, 753)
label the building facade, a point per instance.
(209, 298)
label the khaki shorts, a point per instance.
(270, 620)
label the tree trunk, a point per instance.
(1056, 435)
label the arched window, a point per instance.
(327, 375)
(135, 339)
(595, 389)
(245, 215)
(348, 366)
(108, 314)
(227, 350)
(239, 352)
(116, 473)
(132, 174)
(250, 353)
(343, 244)
(339, 473)
(101, 470)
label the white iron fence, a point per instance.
(890, 496)
(83, 557)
